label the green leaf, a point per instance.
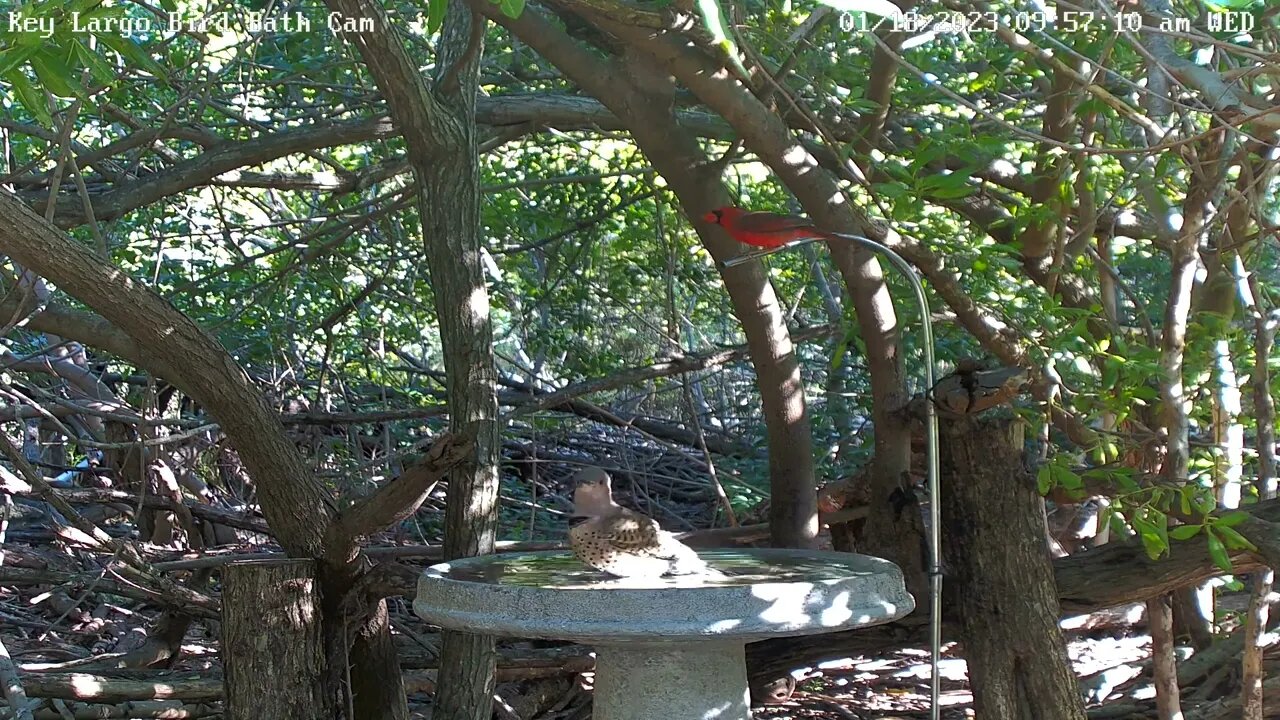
(54, 74)
(947, 187)
(837, 360)
(26, 39)
(1162, 165)
(15, 57)
(1185, 499)
(1234, 540)
(892, 190)
(1218, 551)
(1151, 543)
(101, 72)
(31, 98)
(1117, 524)
(512, 8)
(1067, 478)
(1110, 373)
(1066, 194)
(1159, 498)
(89, 9)
(132, 53)
(1185, 532)
(1125, 481)
(1231, 519)
(1108, 518)
(1204, 503)
(435, 14)
(1154, 538)
(1145, 393)
(862, 105)
(1044, 480)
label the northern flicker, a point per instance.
(623, 542)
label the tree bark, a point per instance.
(1264, 412)
(1189, 622)
(1000, 577)
(450, 207)
(1174, 404)
(272, 641)
(1164, 664)
(438, 125)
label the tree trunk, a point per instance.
(999, 576)
(377, 686)
(438, 126)
(1189, 621)
(272, 642)
(765, 133)
(1174, 405)
(635, 90)
(1264, 412)
(450, 207)
(1164, 664)
(793, 507)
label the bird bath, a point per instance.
(671, 647)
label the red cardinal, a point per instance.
(762, 229)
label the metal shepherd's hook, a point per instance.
(931, 429)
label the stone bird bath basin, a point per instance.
(669, 648)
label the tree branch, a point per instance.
(395, 500)
(294, 503)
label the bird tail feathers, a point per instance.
(685, 560)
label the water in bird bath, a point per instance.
(562, 570)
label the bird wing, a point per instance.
(629, 531)
(772, 222)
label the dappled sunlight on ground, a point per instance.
(898, 686)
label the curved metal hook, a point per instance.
(931, 440)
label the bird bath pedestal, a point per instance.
(674, 647)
